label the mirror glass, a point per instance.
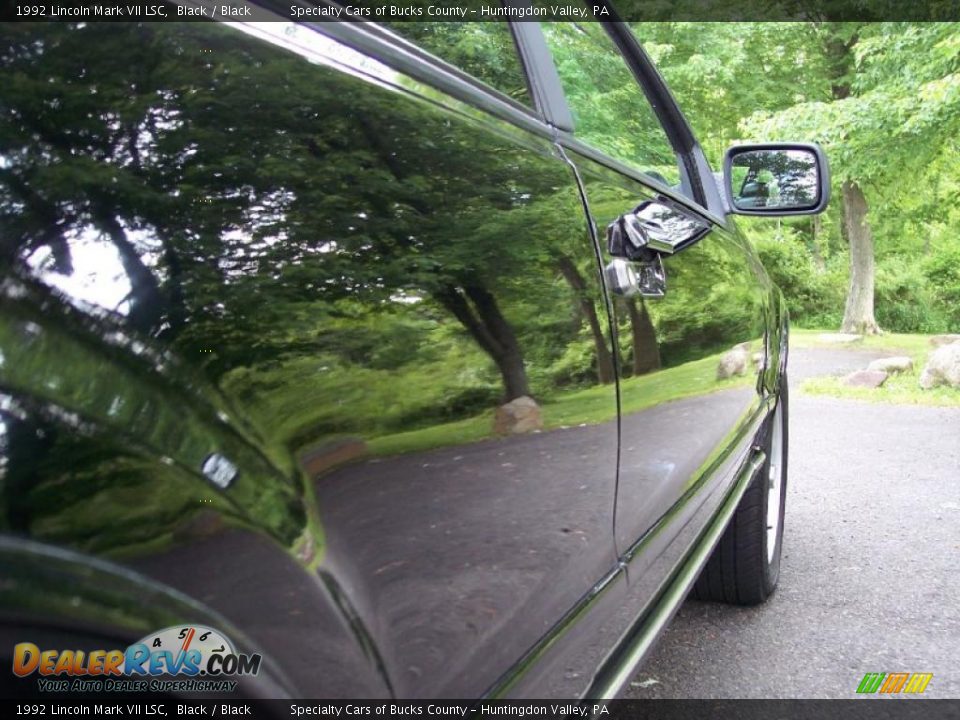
(775, 179)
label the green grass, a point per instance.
(898, 389)
(583, 407)
(912, 345)
(903, 388)
(463, 431)
(307, 412)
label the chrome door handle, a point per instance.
(626, 279)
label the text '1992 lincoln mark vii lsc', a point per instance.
(376, 360)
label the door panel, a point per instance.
(689, 359)
(262, 301)
(679, 414)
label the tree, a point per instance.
(605, 371)
(893, 104)
(646, 350)
(265, 203)
(858, 313)
(720, 72)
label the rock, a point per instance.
(305, 548)
(318, 460)
(734, 362)
(865, 378)
(943, 367)
(839, 338)
(941, 340)
(201, 524)
(892, 365)
(757, 358)
(518, 416)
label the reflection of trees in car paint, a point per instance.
(237, 216)
(229, 245)
(244, 254)
(258, 257)
(610, 111)
(715, 299)
(295, 257)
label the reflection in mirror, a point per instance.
(775, 178)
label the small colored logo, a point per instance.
(889, 683)
(190, 650)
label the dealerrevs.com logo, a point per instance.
(201, 658)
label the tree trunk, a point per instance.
(646, 350)
(477, 310)
(605, 372)
(27, 441)
(858, 315)
(146, 302)
(44, 226)
(509, 359)
(514, 376)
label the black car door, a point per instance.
(305, 324)
(691, 346)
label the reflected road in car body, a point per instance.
(268, 308)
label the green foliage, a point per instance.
(430, 377)
(814, 294)
(340, 292)
(575, 367)
(485, 50)
(942, 270)
(723, 72)
(902, 100)
(710, 300)
(884, 101)
(609, 110)
(907, 299)
(913, 294)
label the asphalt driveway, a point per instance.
(870, 578)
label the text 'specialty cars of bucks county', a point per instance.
(415, 359)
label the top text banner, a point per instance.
(475, 10)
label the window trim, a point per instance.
(550, 117)
(542, 76)
(377, 41)
(705, 190)
(696, 174)
(570, 140)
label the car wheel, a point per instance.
(745, 565)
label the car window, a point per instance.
(485, 50)
(610, 111)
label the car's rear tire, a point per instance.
(745, 566)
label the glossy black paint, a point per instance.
(329, 263)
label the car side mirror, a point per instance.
(777, 179)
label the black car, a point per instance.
(345, 359)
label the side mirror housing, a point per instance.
(776, 179)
